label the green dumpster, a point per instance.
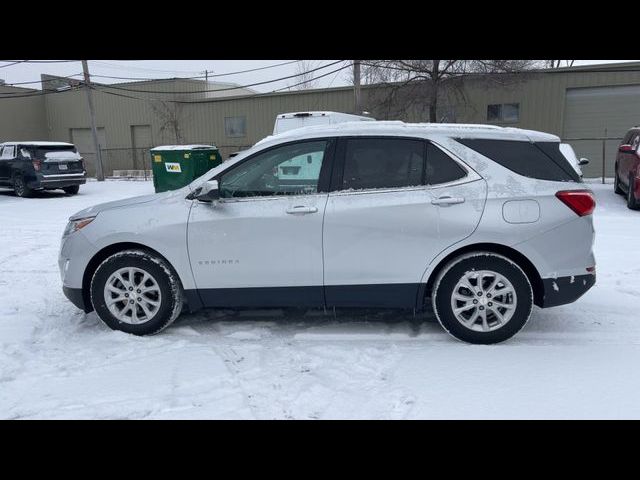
(175, 166)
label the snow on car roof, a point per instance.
(182, 147)
(41, 144)
(396, 127)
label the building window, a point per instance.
(503, 112)
(235, 126)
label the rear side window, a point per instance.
(441, 168)
(541, 160)
(8, 151)
(382, 163)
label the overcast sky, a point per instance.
(30, 72)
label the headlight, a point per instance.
(75, 225)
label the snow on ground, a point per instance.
(576, 361)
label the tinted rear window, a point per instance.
(441, 168)
(40, 151)
(541, 160)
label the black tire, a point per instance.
(632, 203)
(453, 272)
(616, 183)
(72, 190)
(21, 188)
(167, 280)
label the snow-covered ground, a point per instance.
(576, 361)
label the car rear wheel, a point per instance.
(632, 203)
(21, 188)
(136, 292)
(482, 298)
(72, 190)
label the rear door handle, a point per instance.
(446, 200)
(301, 210)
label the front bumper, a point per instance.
(563, 290)
(58, 181)
(76, 297)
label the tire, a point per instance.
(21, 188)
(164, 290)
(632, 203)
(515, 314)
(616, 183)
(72, 190)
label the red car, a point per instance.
(627, 172)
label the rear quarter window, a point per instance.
(540, 160)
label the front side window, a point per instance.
(288, 170)
(382, 163)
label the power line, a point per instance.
(39, 61)
(198, 76)
(237, 87)
(10, 64)
(244, 96)
(42, 81)
(122, 67)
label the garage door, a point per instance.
(589, 111)
(83, 140)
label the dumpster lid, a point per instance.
(183, 147)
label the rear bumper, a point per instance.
(563, 290)
(76, 297)
(58, 181)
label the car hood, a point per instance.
(101, 207)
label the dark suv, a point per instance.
(627, 172)
(29, 166)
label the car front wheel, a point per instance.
(482, 298)
(136, 292)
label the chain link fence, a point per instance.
(601, 153)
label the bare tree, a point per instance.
(303, 74)
(558, 63)
(169, 114)
(412, 83)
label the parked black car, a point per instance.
(29, 166)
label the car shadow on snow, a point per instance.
(39, 194)
(298, 321)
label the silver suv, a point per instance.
(481, 222)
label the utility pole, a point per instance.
(92, 116)
(206, 76)
(356, 87)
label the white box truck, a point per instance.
(289, 121)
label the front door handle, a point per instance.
(446, 200)
(301, 210)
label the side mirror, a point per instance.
(209, 192)
(625, 149)
(583, 161)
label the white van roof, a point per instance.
(322, 113)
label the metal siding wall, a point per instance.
(22, 118)
(542, 100)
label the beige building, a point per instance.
(583, 105)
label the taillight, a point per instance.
(37, 165)
(580, 201)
